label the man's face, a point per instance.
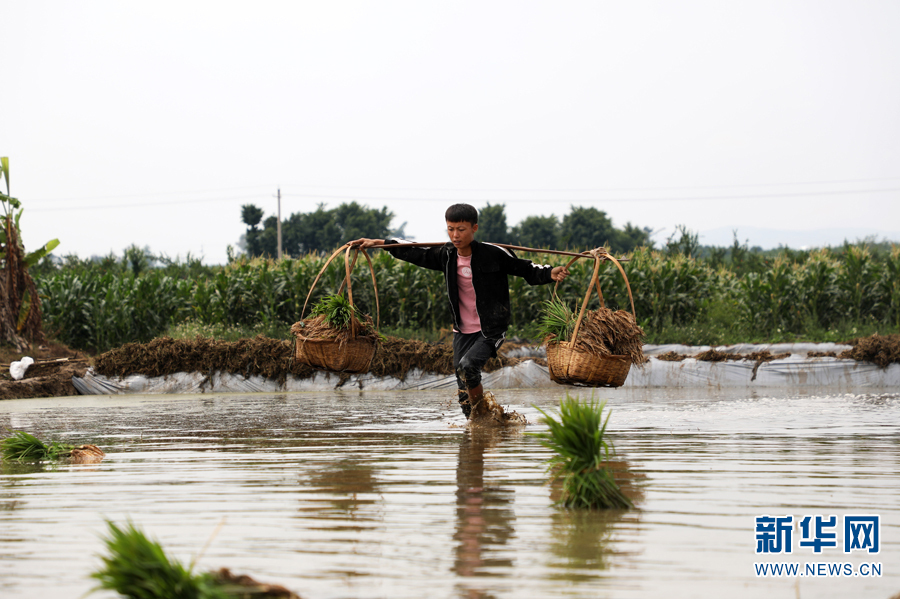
(461, 234)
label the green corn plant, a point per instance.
(817, 292)
(101, 304)
(858, 280)
(578, 440)
(668, 289)
(769, 302)
(889, 287)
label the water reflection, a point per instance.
(12, 476)
(13, 468)
(582, 539)
(350, 484)
(484, 513)
(580, 547)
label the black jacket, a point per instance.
(490, 266)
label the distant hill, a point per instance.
(773, 238)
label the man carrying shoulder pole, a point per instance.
(477, 289)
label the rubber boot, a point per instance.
(475, 395)
(464, 403)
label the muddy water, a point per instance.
(373, 494)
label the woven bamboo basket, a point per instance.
(353, 355)
(569, 366)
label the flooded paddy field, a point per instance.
(388, 494)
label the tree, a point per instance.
(139, 260)
(312, 232)
(492, 224)
(317, 231)
(687, 243)
(632, 237)
(537, 232)
(252, 215)
(587, 228)
(355, 221)
(20, 305)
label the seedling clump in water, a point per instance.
(138, 568)
(578, 440)
(22, 446)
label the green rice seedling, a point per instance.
(337, 310)
(22, 446)
(138, 568)
(581, 450)
(557, 320)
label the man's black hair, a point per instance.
(461, 213)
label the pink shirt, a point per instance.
(467, 312)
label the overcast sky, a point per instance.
(153, 122)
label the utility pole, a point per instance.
(279, 223)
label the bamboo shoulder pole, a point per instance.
(586, 254)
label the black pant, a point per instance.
(471, 351)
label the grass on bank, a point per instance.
(581, 450)
(192, 329)
(711, 332)
(720, 333)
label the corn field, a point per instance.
(95, 308)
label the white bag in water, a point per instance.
(17, 369)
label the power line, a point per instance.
(473, 190)
(144, 204)
(600, 189)
(769, 196)
(557, 200)
(148, 194)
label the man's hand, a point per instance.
(364, 243)
(559, 273)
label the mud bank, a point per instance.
(49, 378)
(262, 364)
(273, 358)
(268, 362)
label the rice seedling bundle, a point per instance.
(603, 332)
(334, 317)
(611, 332)
(22, 446)
(581, 450)
(338, 338)
(138, 567)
